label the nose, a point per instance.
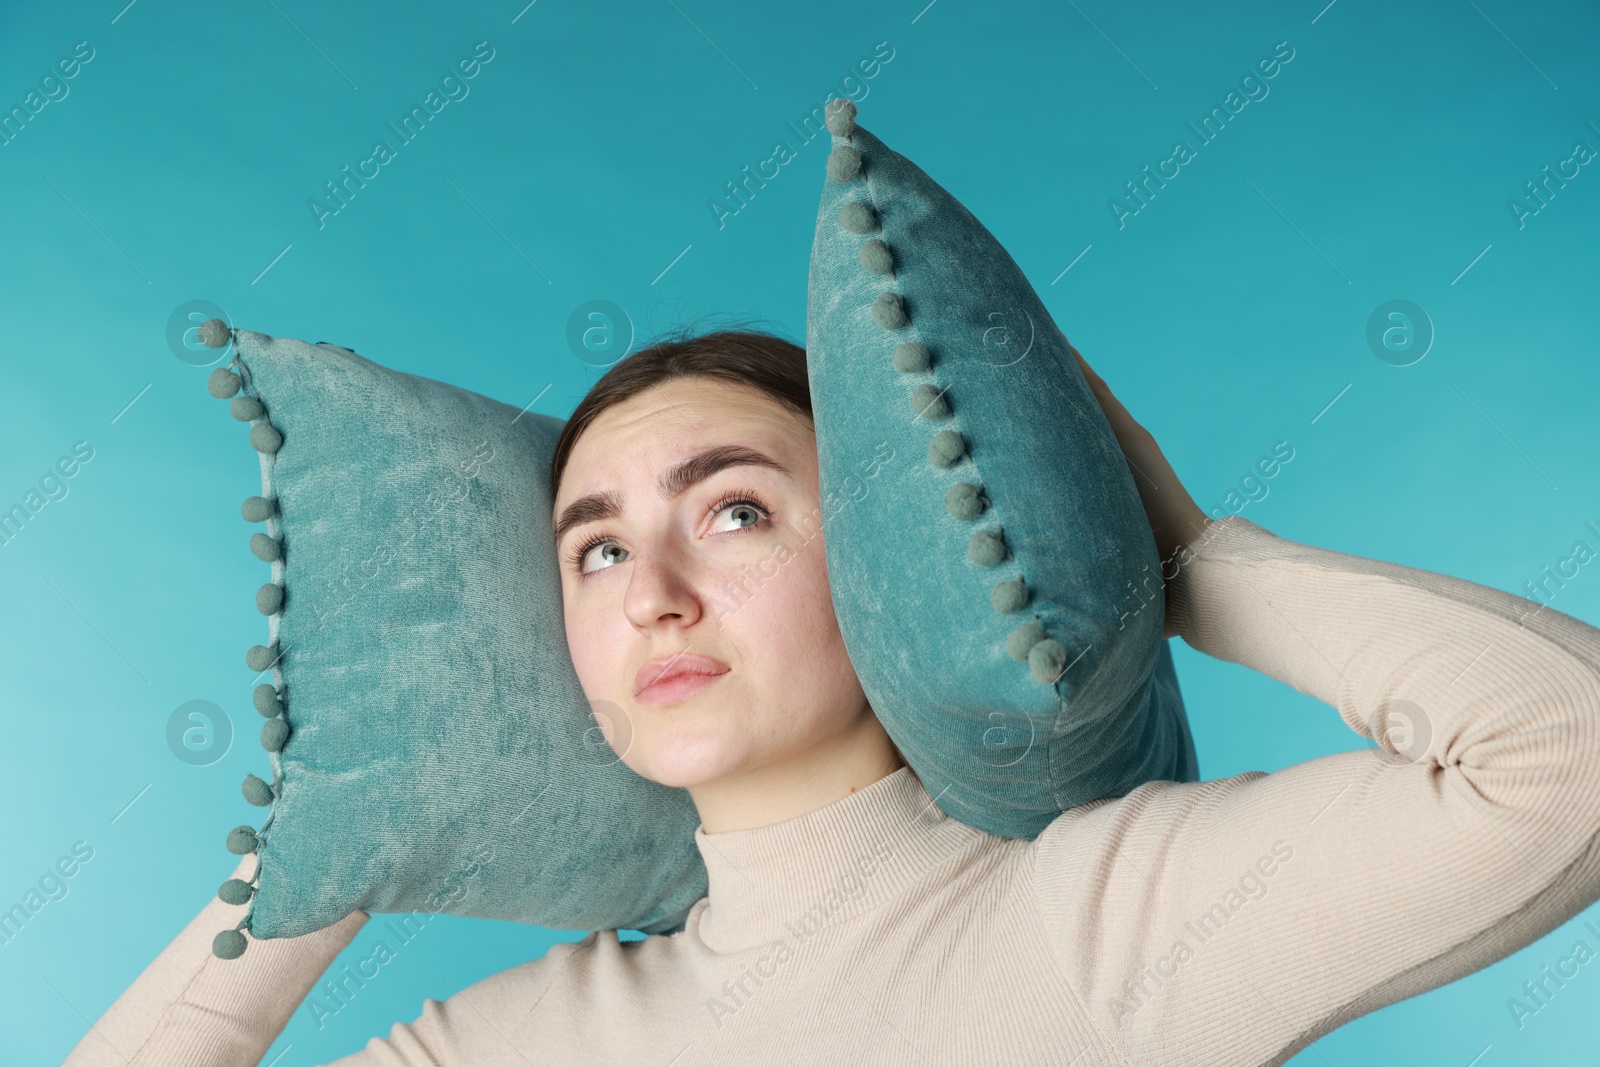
(660, 587)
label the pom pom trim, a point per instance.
(1027, 643)
(234, 382)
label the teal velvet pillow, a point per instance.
(430, 746)
(992, 586)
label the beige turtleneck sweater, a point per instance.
(1223, 922)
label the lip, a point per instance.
(677, 687)
(685, 673)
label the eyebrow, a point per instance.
(674, 482)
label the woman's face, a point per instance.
(730, 566)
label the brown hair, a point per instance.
(752, 358)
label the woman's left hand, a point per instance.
(1174, 517)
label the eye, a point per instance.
(578, 553)
(739, 501)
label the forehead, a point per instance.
(640, 437)
(669, 439)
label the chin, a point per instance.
(685, 762)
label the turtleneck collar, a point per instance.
(794, 877)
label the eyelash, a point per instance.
(737, 496)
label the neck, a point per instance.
(795, 785)
(787, 881)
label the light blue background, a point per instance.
(1228, 314)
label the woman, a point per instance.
(848, 920)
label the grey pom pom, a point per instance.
(964, 500)
(269, 549)
(246, 408)
(269, 598)
(223, 383)
(890, 311)
(844, 164)
(242, 840)
(840, 115)
(264, 437)
(274, 734)
(1046, 660)
(911, 357)
(946, 449)
(986, 548)
(875, 257)
(1023, 638)
(214, 333)
(260, 657)
(256, 791)
(928, 401)
(256, 509)
(1009, 596)
(228, 945)
(265, 699)
(235, 891)
(858, 218)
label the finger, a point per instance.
(1102, 391)
(1120, 418)
(1096, 384)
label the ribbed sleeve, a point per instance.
(1236, 920)
(190, 1009)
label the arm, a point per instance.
(1237, 920)
(190, 1009)
(492, 1020)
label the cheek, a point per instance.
(587, 651)
(789, 622)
